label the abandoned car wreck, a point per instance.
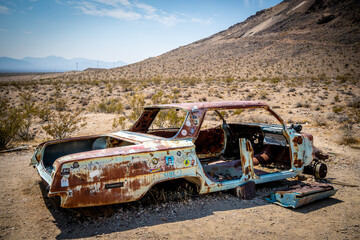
(214, 146)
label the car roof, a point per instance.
(212, 105)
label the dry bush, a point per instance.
(121, 121)
(320, 120)
(157, 98)
(44, 112)
(354, 105)
(110, 106)
(169, 118)
(136, 103)
(63, 124)
(348, 137)
(28, 112)
(11, 122)
(337, 109)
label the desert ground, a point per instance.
(328, 108)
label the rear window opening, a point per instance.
(57, 150)
(167, 122)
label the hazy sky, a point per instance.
(112, 30)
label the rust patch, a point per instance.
(308, 136)
(298, 140)
(243, 160)
(298, 163)
(135, 185)
(138, 168)
(247, 170)
(248, 146)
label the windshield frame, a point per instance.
(193, 121)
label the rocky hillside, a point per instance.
(296, 38)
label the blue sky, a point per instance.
(112, 30)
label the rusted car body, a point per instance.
(123, 166)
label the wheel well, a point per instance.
(174, 184)
(173, 189)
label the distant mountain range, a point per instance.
(52, 64)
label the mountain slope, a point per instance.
(295, 38)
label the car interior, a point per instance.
(219, 152)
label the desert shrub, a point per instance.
(301, 104)
(121, 121)
(337, 109)
(263, 94)
(343, 78)
(275, 80)
(156, 80)
(44, 112)
(238, 111)
(28, 111)
(157, 98)
(169, 118)
(348, 136)
(292, 90)
(58, 102)
(109, 87)
(320, 120)
(63, 124)
(224, 114)
(136, 103)
(259, 118)
(354, 109)
(60, 123)
(11, 121)
(229, 80)
(322, 76)
(110, 106)
(173, 118)
(354, 102)
(191, 81)
(250, 96)
(176, 91)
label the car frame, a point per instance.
(123, 166)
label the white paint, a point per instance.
(95, 173)
(64, 182)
